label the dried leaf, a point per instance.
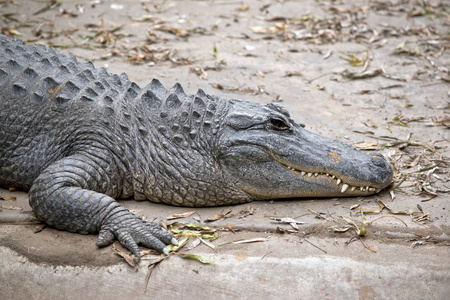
(339, 229)
(401, 49)
(418, 243)
(11, 207)
(294, 73)
(359, 230)
(65, 12)
(196, 226)
(364, 132)
(8, 198)
(218, 217)
(396, 120)
(280, 230)
(287, 220)
(244, 7)
(197, 258)
(218, 86)
(247, 212)
(260, 73)
(143, 18)
(230, 228)
(180, 216)
(258, 29)
(215, 51)
(176, 31)
(10, 31)
(367, 146)
(181, 243)
(364, 92)
(39, 228)
(353, 60)
(354, 206)
(130, 259)
(362, 75)
(210, 237)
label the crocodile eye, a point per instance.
(278, 124)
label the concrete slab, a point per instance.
(407, 260)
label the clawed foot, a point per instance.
(131, 231)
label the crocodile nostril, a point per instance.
(378, 159)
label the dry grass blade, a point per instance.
(9, 17)
(50, 5)
(367, 247)
(387, 217)
(207, 243)
(255, 240)
(150, 270)
(421, 217)
(315, 246)
(319, 215)
(397, 120)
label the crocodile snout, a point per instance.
(383, 169)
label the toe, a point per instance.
(105, 238)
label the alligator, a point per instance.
(78, 138)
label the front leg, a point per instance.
(71, 194)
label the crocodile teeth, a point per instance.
(344, 187)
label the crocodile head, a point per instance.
(210, 151)
(269, 156)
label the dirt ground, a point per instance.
(371, 73)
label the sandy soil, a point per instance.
(371, 73)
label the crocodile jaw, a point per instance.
(337, 184)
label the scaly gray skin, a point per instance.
(78, 138)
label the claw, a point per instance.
(132, 231)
